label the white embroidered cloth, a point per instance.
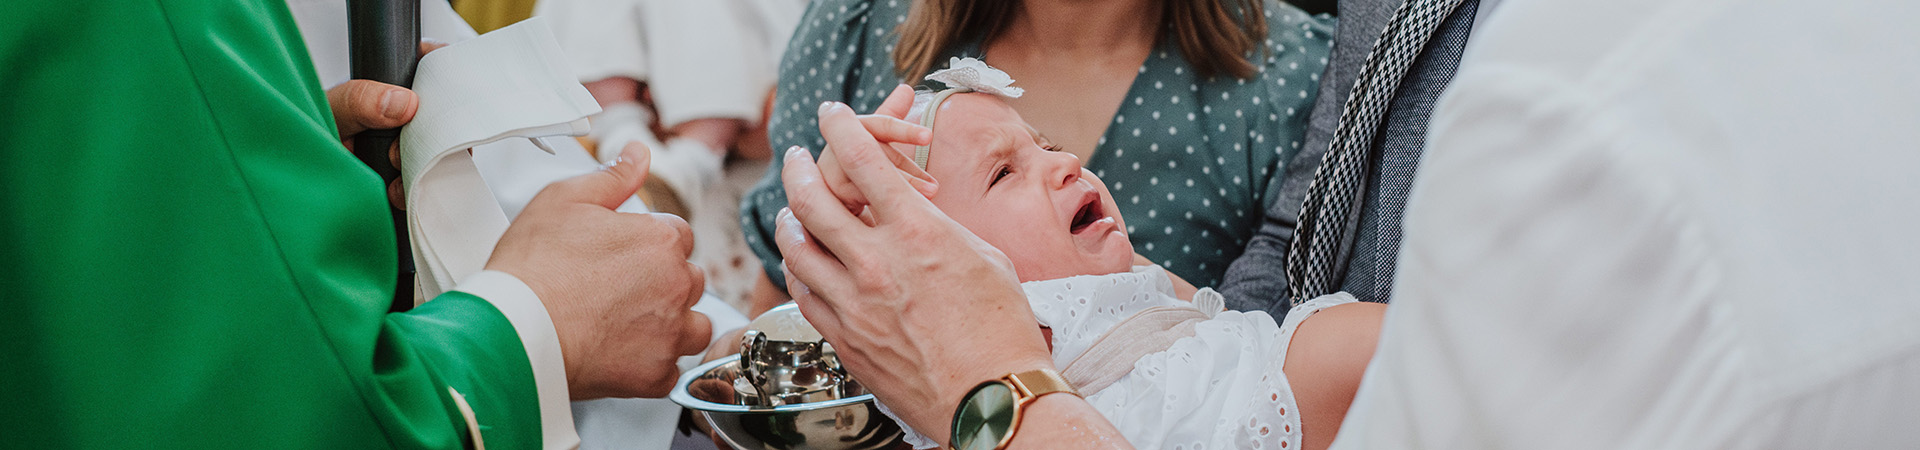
(1220, 389)
(513, 82)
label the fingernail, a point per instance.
(826, 107)
(795, 152)
(394, 104)
(784, 214)
(925, 135)
(926, 188)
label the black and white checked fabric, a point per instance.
(1332, 200)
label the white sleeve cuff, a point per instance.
(530, 320)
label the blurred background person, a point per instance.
(692, 80)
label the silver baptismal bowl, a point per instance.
(844, 419)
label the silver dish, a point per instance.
(788, 372)
(850, 420)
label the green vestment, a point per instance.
(191, 259)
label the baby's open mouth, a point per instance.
(1088, 214)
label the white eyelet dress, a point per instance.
(1217, 385)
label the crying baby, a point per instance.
(1169, 370)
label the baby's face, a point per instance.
(1000, 179)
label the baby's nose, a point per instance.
(1065, 167)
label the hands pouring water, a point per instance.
(920, 309)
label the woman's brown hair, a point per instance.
(1214, 38)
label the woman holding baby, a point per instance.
(1170, 367)
(1190, 110)
(1147, 131)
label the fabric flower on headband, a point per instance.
(975, 74)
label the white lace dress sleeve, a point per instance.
(1222, 388)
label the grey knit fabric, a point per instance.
(1362, 257)
(1376, 245)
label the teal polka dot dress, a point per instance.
(1191, 161)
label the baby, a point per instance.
(1169, 372)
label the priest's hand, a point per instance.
(617, 285)
(361, 105)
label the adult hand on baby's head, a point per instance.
(919, 308)
(886, 125)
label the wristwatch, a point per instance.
(990, 413)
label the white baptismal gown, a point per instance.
(1220, 388)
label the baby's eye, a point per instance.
(1004, 171)
(1050, 147)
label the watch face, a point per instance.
(985, 416)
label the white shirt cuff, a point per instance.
(530, 320)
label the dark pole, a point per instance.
(384, 39)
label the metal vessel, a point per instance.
(786, 390)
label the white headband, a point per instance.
(963, 75)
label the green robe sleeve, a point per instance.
(191, 260)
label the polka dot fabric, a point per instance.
(1191, 161)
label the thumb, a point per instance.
(610, 186)
(696, 334)
(360, 105)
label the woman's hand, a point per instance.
(919, 309)
(886, 121)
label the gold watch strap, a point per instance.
(1032, 384)
(979, 415)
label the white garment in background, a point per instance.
(1662, 224)
(1222, 388)
(702, 59)
(706, 59)
(514, 178)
